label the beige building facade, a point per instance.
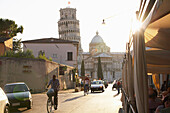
(111, 61)
(61, 51)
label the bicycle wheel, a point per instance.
(49, 105)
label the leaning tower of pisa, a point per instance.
(68, 28)
(68, 25)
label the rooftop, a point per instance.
(103, 55)
(97, 39)
(3, 39)
(49, 40)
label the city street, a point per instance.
(98, 102)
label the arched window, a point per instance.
(66, 24)
(73, 16)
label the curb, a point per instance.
(66, 91)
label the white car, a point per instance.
(97, 85)
(4, 103)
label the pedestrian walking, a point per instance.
(118, 87)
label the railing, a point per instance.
(129, 107)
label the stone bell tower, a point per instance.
(68, 28)
(68, 25)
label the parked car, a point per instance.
(4, 103)
(18, 95)
(97, 85)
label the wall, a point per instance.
(1, 49)
(60, 49)
(66, 81)
(34, 72)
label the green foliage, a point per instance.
(8, 28)
(82, 68)
(9, 54)
(42, 56)
(50, 59)
(41, 53)
(28, 53)
(17, 45)
(65, 68)
(24, 54)
(19, 54)
(74, 73)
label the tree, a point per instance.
(9, 29)
(82, 69)
(17, 45)
(99, 70)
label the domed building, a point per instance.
(111, 61)
(97, 45)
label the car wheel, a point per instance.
(91, 91)
(6, 110)
(102, 90)
(30, 105)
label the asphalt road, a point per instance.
(97, 102)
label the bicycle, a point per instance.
(50, 102)
(86, 90)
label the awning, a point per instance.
(158, 57)
(157, 35)
(158, 61)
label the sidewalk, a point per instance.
(66, 91)
(60, 92)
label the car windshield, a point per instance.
(15, 88)
(96, 82)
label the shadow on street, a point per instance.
(115, 95)
(70, 99)
(96, 92)
(20, 110)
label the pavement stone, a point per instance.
(66, 91)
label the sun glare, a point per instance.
(136, 25)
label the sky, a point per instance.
(39, 19)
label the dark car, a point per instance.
(18, 95)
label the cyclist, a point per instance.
(54, 85)
(86, 84)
